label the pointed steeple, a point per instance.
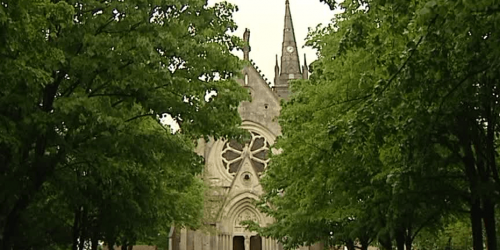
(289, 57)
(290, 64)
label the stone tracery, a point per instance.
(256, 149)
(246, 215)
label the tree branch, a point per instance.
(344, 102)
(110, 94)
(426, 222)
(139, 116)
(101, 28)
(71, 88)
(391, 79)
(454, 88)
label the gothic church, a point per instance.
(233, 169)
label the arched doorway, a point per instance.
(256, 242)
(238, 243)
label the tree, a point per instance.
(85, 84)
(397, 127)
(456, 235)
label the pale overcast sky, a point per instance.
(265, 20)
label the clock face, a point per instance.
(289, 49)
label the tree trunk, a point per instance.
(38, 176)
(111, 245)
(477, 229)
(408, 243)
(400, 239)
(489, 223)
(76, 229)
(39, 170)
(350, 245)
(409, 237)
(385, 241)
(473, 179)
(95, 243)
(95, 235)
(81, 243)
(83, 229)
(12, 222)
(364, 245)
(488, 204)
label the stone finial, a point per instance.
(305, 69)
(246, 48)
(276, 72)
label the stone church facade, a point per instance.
(233, 169)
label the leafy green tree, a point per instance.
(396, 131)
(83, 153)
(456, 235)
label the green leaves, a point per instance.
(371, 143)
(84, 85)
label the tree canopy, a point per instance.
(396, 131)
(84, 156)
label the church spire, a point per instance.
(290, 64)
(289, 57)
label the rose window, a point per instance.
(256, 149)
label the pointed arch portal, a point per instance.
(256, 242)
(240, 243)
